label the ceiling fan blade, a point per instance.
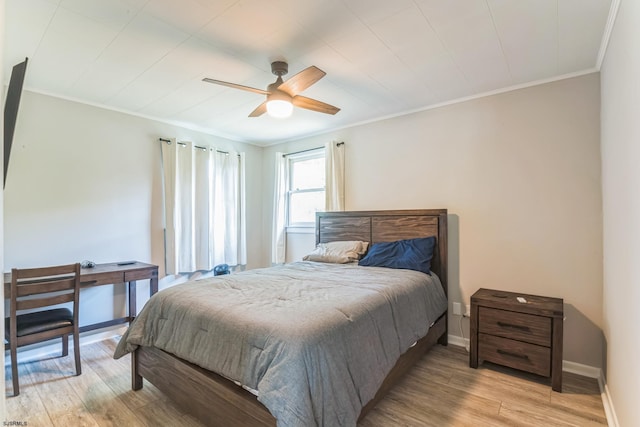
(260, 110)
(302, 80)
(314, 105)
(236, 86)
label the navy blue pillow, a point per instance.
(410, 254)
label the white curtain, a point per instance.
(279, 237)
(228, 218)
(204, 207)
(334, 190)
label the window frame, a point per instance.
(319, 153)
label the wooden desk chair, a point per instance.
(38, 288)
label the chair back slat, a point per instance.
(43, 272)
(42, 287)
(28, 304)
(25, 283)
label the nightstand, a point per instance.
(521, 335)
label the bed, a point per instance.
(217, 400)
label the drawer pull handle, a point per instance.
(509, 325)
(89, 282)
(508, 353)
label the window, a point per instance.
(305, 195)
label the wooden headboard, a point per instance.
(387, 226)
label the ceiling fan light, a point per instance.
(279, 108)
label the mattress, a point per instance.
(315, 340)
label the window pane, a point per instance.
(307, 174)
(303, 206)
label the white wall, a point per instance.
(621, 209)
(86, 183)
(519, 173)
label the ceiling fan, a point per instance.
(283, 95)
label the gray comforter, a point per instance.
(315, 340)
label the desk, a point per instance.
(110, 274)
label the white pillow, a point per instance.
(340, 252)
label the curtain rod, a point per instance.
(309, 149)
(168, 141)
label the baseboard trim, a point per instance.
(607, 402)
(458, 341)
(580, 369)
(592, 372)
(53, 347)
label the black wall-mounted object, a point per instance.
(11, 106)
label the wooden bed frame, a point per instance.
(217, 401)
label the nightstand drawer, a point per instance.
(518, 326)
(515, 354)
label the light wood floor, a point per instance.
(440, 391)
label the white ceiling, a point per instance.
(382, 57)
